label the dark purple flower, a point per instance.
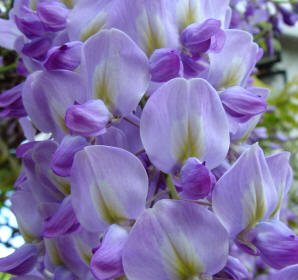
(196, 180)
(52, 14)
(88, 119)
(67, 56)
(165, 64)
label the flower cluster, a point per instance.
(142, 171)
(263, 16)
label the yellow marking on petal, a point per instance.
(107, 204)
(256, 199)
(25, 231)
(61, 183)
(58, 113)
(68, 3)
(280, 195)
(94, 26)
(187, 138)
(187, 13)
(53, 252)
(232, 75)
(104, 84)
(180, 259)
(84, 251)
(152, 33)
(33, 5)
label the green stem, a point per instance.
(171, 188)
(4, 69)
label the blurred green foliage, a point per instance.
(281, 122)
(4, 276)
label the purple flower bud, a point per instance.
(288, 16)
(88, 119)
(165, 64)
(52, 14)
(63, 157)
(278, 244)
(68, 56)
(63, 222)
(242, 104)
(197, 36)
(11, 102)
(21, 261)
(30, 25)
(37, 48)
(194, 65)
(235, 270)
(106, 262)
(21, 68)
(196, 180)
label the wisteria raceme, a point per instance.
(144, 171)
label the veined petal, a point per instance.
(119, 73)
(109, 185)
(185, 115)
(233, 65)
(281, 173)
(148, 23)
(245, 194)
(172, 245)
(187, 12)
(47, 95)
(288, 273)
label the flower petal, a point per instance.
(245, 194)
(172, 246)
(118, 74)
(109, 185)
(185, 115)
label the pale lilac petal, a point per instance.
(233, 65)
(172, 245)
(63, 157)
(8, 33)
(106, 262)
(148, 23)
(118, 74)
(288, 273)
(277, 243)
(245, 194)
(21, 261)
(186, 12)
(25, 208)
(47, 95)
(108, 185)
(282, 176)
(87, 18)
(185, 114)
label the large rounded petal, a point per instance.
(108, 185)
(233, 65)
(175, 240)
(184, 119)
(118, 74)
(245, 194)
(47, 95)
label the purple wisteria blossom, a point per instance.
(136, 164)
